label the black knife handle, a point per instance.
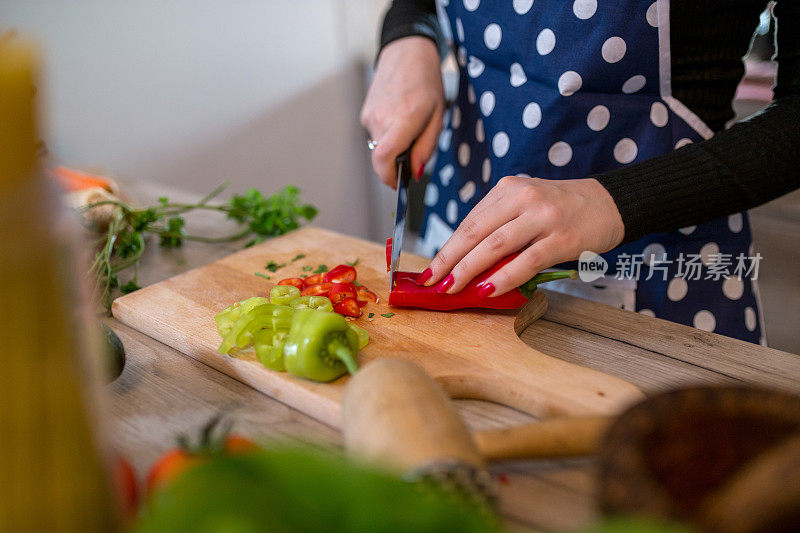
(404, 167)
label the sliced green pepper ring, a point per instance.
(363, 335)
(320, 303)
(227, 317)
(283, 294)
(282, 318)
(269, 348)
(231, 339)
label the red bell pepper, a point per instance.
(341, 274)
(407, 293)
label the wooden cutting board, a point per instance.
(472, 353)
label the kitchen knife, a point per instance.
(403, 177)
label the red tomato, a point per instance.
(320, 289)
(178, 460)
(127, 487)
(363, 294)
(295, 282)
(168, 467)
(313, 280)
(348, 307)
(340, 291)
(341, 274)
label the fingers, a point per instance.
(482, 221)
(505, 240)
(396, 139)
(540, 255)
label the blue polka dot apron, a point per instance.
(564, 89)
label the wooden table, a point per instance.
(163, 393)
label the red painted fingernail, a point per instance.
(420, 171)
(446, 283)
(485, 289)
(425, 276)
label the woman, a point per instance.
(592, 98)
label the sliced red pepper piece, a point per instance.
(407, 293)
(361, 303)
(313, 280)
(348, 307)
(294, 282)
(340, 291)
(363, 294)
(341, 274)
(319, 289)
(388, 254)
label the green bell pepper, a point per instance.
(320, 346)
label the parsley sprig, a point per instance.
(123, 245)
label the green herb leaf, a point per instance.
(297, 257)
(354, 263)
(129, 287)
(320, 269)
(260, 275)
(163, 200)
(307, 268)
(370, 315)
(387, 315)
(272, 266)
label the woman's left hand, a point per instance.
(551, 221)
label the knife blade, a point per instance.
(403, 178)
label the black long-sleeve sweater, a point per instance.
(747, 165)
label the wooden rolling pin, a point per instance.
(396, 414)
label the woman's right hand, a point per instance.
(404, 105)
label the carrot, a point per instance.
(77, 180)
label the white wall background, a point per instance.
(190, 92)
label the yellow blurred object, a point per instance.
(53, 478)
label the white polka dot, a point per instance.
(750, 318)
(532, 115)
(733, 288)
(625, 151)
(470, 94)
(677, 289)
(446, 174)
(523, 175)
(584, 9)
(486, 171)
(652, 14)
(462, 56)
(463, 154)
(708, 254)
(431, 194)
(634, 83)
(598, 117)
(688, 230)
(475, 67)
(522, 6)
(683, 142)
(659, 114)
(455, 117)
(480, 136)
(451, 211)
(705, 320)
(492, 35)
(569, 83)
(654, 253)
(614, 49)
(471, 5)
(518, 76)
(444, 139)
(545, 42)
(487, 103)
(560, 154)
(647, 312)
(467, 191)
(459, 30)
(736, 222)
(500, 144)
